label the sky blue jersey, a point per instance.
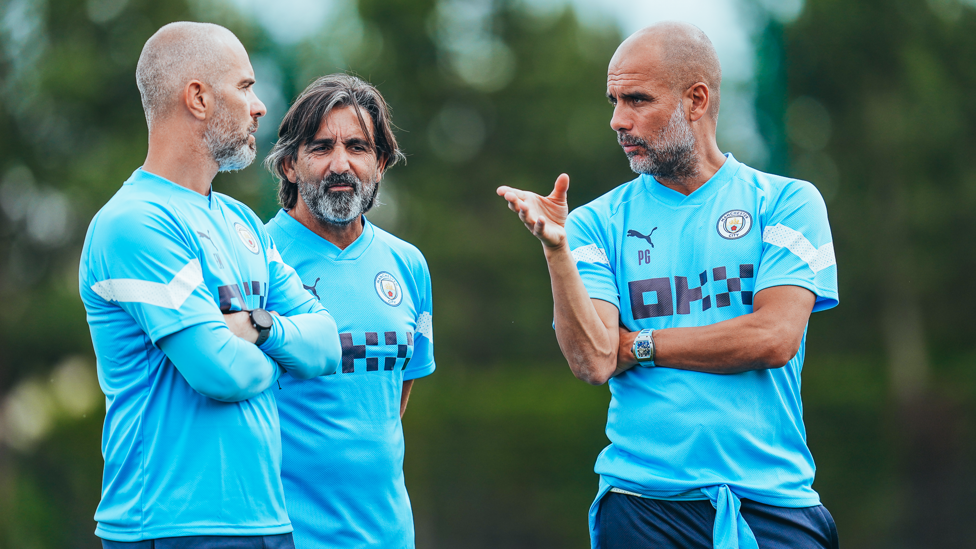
(160, 261)
(342, 440)
(669, 260)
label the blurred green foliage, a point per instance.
(865, 99)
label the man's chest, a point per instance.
(232, 259)
(690, 265)
(375, 302)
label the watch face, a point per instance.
(642, 349)
(261, 319)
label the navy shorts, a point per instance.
(280, 541)
(630, 522)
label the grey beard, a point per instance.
(229, 147)
(338, 208)
(672, 156)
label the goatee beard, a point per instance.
(671, 156)
(338, 207)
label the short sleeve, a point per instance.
(586, 232)
(422, 362)
(797, 247)
(143, 261)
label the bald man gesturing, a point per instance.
(689, 290)
(193, 317)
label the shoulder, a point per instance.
(401, 248)
(281, 237)
(778, 189)
(602, 209)
(132, 215)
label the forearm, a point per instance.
(769, 337)
(219, 365)
(306, 345)
(589, 347)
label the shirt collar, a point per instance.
(700, 195)
(309, 238)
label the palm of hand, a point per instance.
(544, 216)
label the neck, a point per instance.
(340, 235)
(183, 161)
(710, 160)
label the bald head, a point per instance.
(679, 53)
(175, 55)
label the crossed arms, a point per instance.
(597, 347)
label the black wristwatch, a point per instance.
(262, 322)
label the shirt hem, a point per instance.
(422, 372)
(124, 536)
(831, 297)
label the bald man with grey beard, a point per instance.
(689, 290)
(194, 316)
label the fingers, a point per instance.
(560, 188)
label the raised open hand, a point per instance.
(544, 216)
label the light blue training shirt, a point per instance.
(191, 440)
(669, 260)
(342, 440)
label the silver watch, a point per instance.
(643, 348)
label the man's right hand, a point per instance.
(544, 216)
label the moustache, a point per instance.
(341, 180)
(627, 140)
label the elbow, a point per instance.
(225, 393)
(779, 353)
(592, 378)
(594, 372)
(233, 389)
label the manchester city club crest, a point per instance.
(247, 238)
(734, 224)
(388, 288)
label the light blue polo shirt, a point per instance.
(342, 440)
(669, 260)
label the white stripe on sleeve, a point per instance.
(170, 296)
(425, 326)
(817, 258)
(590, 254)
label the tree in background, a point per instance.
(881, 120)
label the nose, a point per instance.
(620, 121)
(340, 161)
(257, 107)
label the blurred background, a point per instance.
(868, 99)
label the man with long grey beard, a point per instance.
(689, 289)
(334, 145)
(194, 316)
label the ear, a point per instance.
(698, 95)
(288, 166)
(197, 99)
(381, 167)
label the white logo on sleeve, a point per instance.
(388, 288)
(734, 224)
(247, 238)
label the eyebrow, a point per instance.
(330, 141)
(637, 95)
